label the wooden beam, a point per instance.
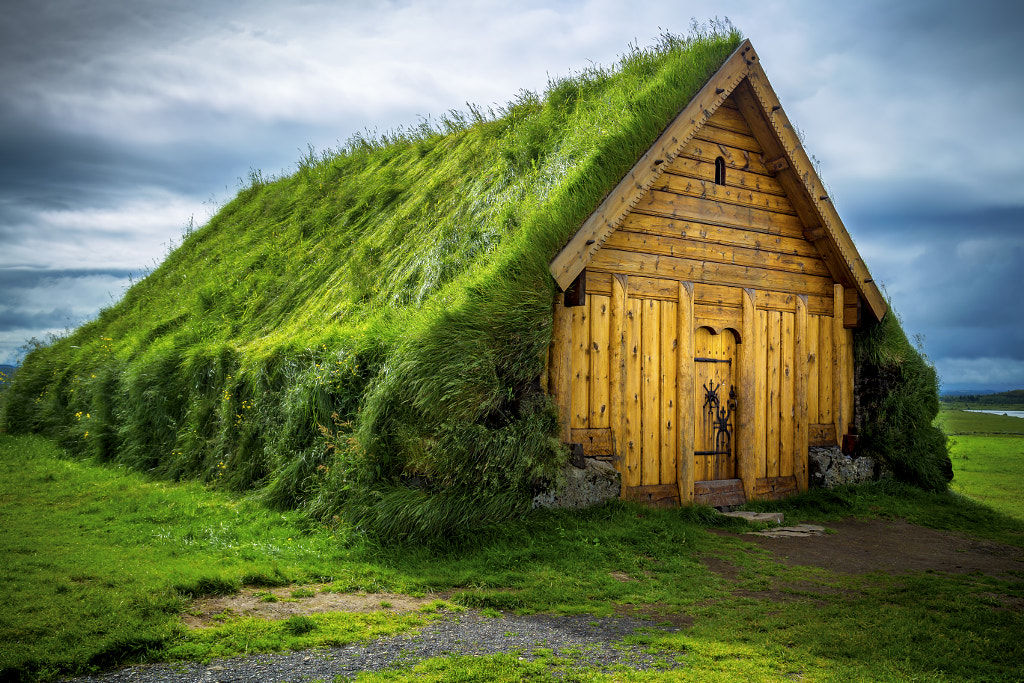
(560, 367)
(747, 399)
(617, 366)
(800, 411)
(839, 417)
(605, 219)
(684, 394)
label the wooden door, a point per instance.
(714, 405)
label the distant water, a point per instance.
(1011, 413)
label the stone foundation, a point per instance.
(830, 467)
(594, 484)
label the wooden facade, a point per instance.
(709, 343)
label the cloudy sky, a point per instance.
(122, 122)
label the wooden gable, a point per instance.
(771, 212)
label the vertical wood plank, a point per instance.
(825, 371)
(761, 407)
(802, 382)
(617, 368)
(787, 376)
(560, 367)
(848, 395)
(650, 415)
(774, 397)
(812, 368)
(634, 433)
(838, 364)
(729, 378)
(600, 330)
(747, 394)
(684, 393)
(581, 365)
(667, 391)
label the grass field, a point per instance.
(99, 563)
(988, 458)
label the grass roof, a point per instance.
(366, 336)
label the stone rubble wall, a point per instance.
(595, 484)
(830, 467)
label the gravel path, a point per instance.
(584, 640)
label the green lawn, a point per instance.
(99, 562)
(988, 458)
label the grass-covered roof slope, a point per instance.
(365, 337)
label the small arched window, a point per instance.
(719, 171)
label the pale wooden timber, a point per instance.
(617, 365)
(822, 434)
(729, 118)
(631, 475)
(745, 142)
(596, 229)
(839, 366)
(735, 159)
(692, 270)
(695, 230)
(774, 391)
(600, 329)
(685, 403)
(825, 372)
(708, 251)
(672, 205)
(656, 495)
(669, 390)
(787, 377)
(734, 177)
(801, 166)
(650, 336)
(708, 189)
(747, 394)
(560, 366)
(597, 443)
(801, 382)
(812, 366)
(775, 488)
(580, 367)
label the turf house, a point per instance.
(407, 334)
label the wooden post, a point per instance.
(560, 367)
(747, 398)
(617, 367)
(684, 395)
(801, 368)
(838, 364)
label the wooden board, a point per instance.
(730, 138)
(650, 368)
(618, 340)
(690, 270)
(824, 369)
(658, 495)
(695, 230)
(721, 493)
(735, 177)
(667, 391)
(747, 386)
(580, 367)
(631, 474)
(670, 205)
(787, 380)
(761, 405)
(560, 366)
(595, 442)
(627, 240)
(774, 390)
(822, 435)
(685, 380)
(708, 189)
(600, 360)
(734, 157)
(775, 488)
(812, 367)
(801, 381)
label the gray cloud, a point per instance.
(121, 120)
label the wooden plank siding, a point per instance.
(695, 269)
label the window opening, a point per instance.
(719, 171)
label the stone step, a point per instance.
(758, 517)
